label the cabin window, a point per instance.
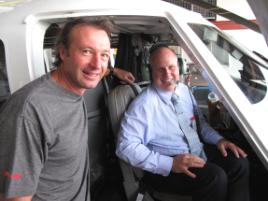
(49, 44)
(4, 87)
(244, 70)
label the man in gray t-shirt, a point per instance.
(43, 139)
(49, 158)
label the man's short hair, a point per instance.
(64, 35)
(157, 46)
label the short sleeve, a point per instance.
(22, 156)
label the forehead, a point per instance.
(163, 56)
(164, 51)
(84, 33)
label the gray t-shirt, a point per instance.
(43, 143)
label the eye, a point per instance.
(87, 51)
(161, 70)
(172, 67)
(105, 56)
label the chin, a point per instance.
(91, 84)
(170, 87)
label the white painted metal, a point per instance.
(260, 9)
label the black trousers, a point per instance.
(221, 179)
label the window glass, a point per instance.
(245, 71)
(49, 44)
(4, 87)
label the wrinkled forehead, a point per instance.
(84, 36)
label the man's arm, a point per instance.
(208, 134)
(211, 136)
(131, 142)
(121, 74)
(24, 198)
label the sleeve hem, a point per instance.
(165, 165)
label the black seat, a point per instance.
(118, 101)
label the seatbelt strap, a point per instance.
(196, 115)
(134, 88)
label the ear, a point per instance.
(150, 72)
(63, 52)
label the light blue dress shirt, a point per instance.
(150, 135)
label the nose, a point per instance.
(95, 61)
(166, 72)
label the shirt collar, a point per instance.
(165, 96)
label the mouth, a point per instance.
(169, 81)
(91, 75)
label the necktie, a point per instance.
(195, 146)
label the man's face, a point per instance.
(86, 59)
(165, 70)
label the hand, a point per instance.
(124, 75)
(224, 144)
(182, 163)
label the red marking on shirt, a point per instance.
(16, 176)
(193, 118)
(12, 176)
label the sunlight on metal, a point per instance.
(11, 3)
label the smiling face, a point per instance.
(165, 70)
(86, 59)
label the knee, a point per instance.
(216, 177)
(216, 184)
(244, 163)
(220, 178)
(240, 167)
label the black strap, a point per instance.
(134, 88)
(196, 114)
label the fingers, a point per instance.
(124, 75)
(193, 162)
(223, 151)
(224, 145)
(238, 151)
(130, 78)
(189, 173)
(196, 162)
(242, 153)
(182, 163)
(221, 146)
(234, 150)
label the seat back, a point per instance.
(118, 101)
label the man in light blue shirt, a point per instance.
(152, 139)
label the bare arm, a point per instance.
(24, 198)
(122, 75)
